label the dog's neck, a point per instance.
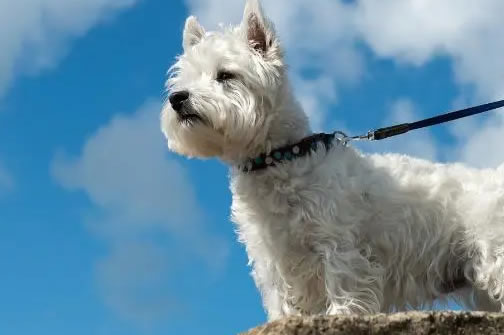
(288, 153)
(288, 126)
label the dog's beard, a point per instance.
(189, 116)
(190, 119)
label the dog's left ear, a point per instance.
(257, 28)
(193, 32)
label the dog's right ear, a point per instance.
(193, 32)
(258, 29)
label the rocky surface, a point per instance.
(417, 323)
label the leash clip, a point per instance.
(345, 139)
(342, 137)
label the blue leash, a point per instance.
(382, 133)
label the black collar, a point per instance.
(288, 152)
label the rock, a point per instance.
(417, 323)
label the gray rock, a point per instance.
(417, 323)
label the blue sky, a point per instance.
(103, 231)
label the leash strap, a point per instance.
(382, 133)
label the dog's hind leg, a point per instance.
(481, 301)
(487, 277)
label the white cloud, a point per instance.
(415, 31)
(315, 95)
(143, 200)
(420, 144)
(470, 34)
(133, 281)
(35, 32)
(6, 180)
(123, 168)
(481, 144)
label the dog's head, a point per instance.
(224, 91)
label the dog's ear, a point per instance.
(257, 28)
(193, 32)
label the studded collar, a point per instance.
(288, 152)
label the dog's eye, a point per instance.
(223, 76)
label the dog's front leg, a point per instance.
(353, 283)
(272, 289)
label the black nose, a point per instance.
(177, 100)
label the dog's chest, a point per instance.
(284, 223)
(276, 213)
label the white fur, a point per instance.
(337, 231)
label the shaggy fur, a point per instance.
(337, 231)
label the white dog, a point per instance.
(329, 229)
